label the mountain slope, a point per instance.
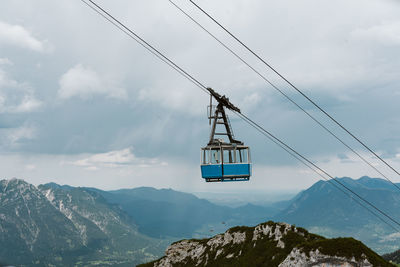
(323, 209)
(29, 224)
(269, 244)
(62, 225)
(110, 228)
(165, 212)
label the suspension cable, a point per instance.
(317, 172)
(279, 90)
(305, 96)
(185, 74)
(145, 44)
(256, 125)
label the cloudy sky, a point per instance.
(82, 104)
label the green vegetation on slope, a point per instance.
(264, 251)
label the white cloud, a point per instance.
(27, 104)
(390, 238)
(116, 158)
(17, 35)
(83, 82)
(387, 33)
(15, 136)
(251, 101)
(5, 80)
(182, 97)
(16, 97)
(5, 61)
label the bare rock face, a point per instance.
(316, 259)
(198, 252)
(269, 244)
(184, 250)
(273, 232)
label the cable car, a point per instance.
(221, 160)
(225, 163)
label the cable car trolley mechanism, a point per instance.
(223, 161)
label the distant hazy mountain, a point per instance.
(325, 210)
(393, 257)
(165, 212)
(67, 226)
(269, 244)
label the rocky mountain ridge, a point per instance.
(46, 225)
(268, 244)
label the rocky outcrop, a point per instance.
(193, 251)
(317, 259)
(276, 233)
(269, 244)
(393, 257)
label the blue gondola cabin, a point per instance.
(225, 163)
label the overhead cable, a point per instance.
(280, 91)
(304, 162)
(245, 118)
(302, 93)
(256, 125)
(144, 43)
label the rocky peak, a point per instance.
(13, 184)
(17, 189)
(269, 244)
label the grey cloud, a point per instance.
(339, 59)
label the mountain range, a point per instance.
(325, 210)
(52, 225)
(62, 225)
(55, 224)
